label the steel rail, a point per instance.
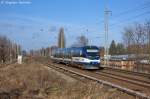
(127, 79)
(123, 75)
(128, 71)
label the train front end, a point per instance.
(91, 57)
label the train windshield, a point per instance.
(92, 53)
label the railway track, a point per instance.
(135, 87)
(141, 79)
(128, 72)
(139, 82)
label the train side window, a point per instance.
(77, 53)
(80, 52)
(72, 53)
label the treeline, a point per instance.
(43, 52)
(8, 50)
(117, 49)
(136, 40)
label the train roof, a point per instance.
(90, 47)
(86, 47)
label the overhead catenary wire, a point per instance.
(129, 19)
(138, 8)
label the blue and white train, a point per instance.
(87, 57)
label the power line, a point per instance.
(129, 19)
(144, 6)
(120, 21)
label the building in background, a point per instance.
(61, 38)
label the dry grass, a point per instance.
(32, 81)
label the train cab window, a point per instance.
(66, 53)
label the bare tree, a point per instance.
(81, 41)
(139, 39)
(147, 30)
(135, 39)
(128, 38)
(3, 49)
(8, 50)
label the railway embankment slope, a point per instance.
(32, 80)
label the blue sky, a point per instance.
(36, 24)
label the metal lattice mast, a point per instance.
(106, 12)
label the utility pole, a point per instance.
(107, 13)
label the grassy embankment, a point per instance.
(33, 81)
